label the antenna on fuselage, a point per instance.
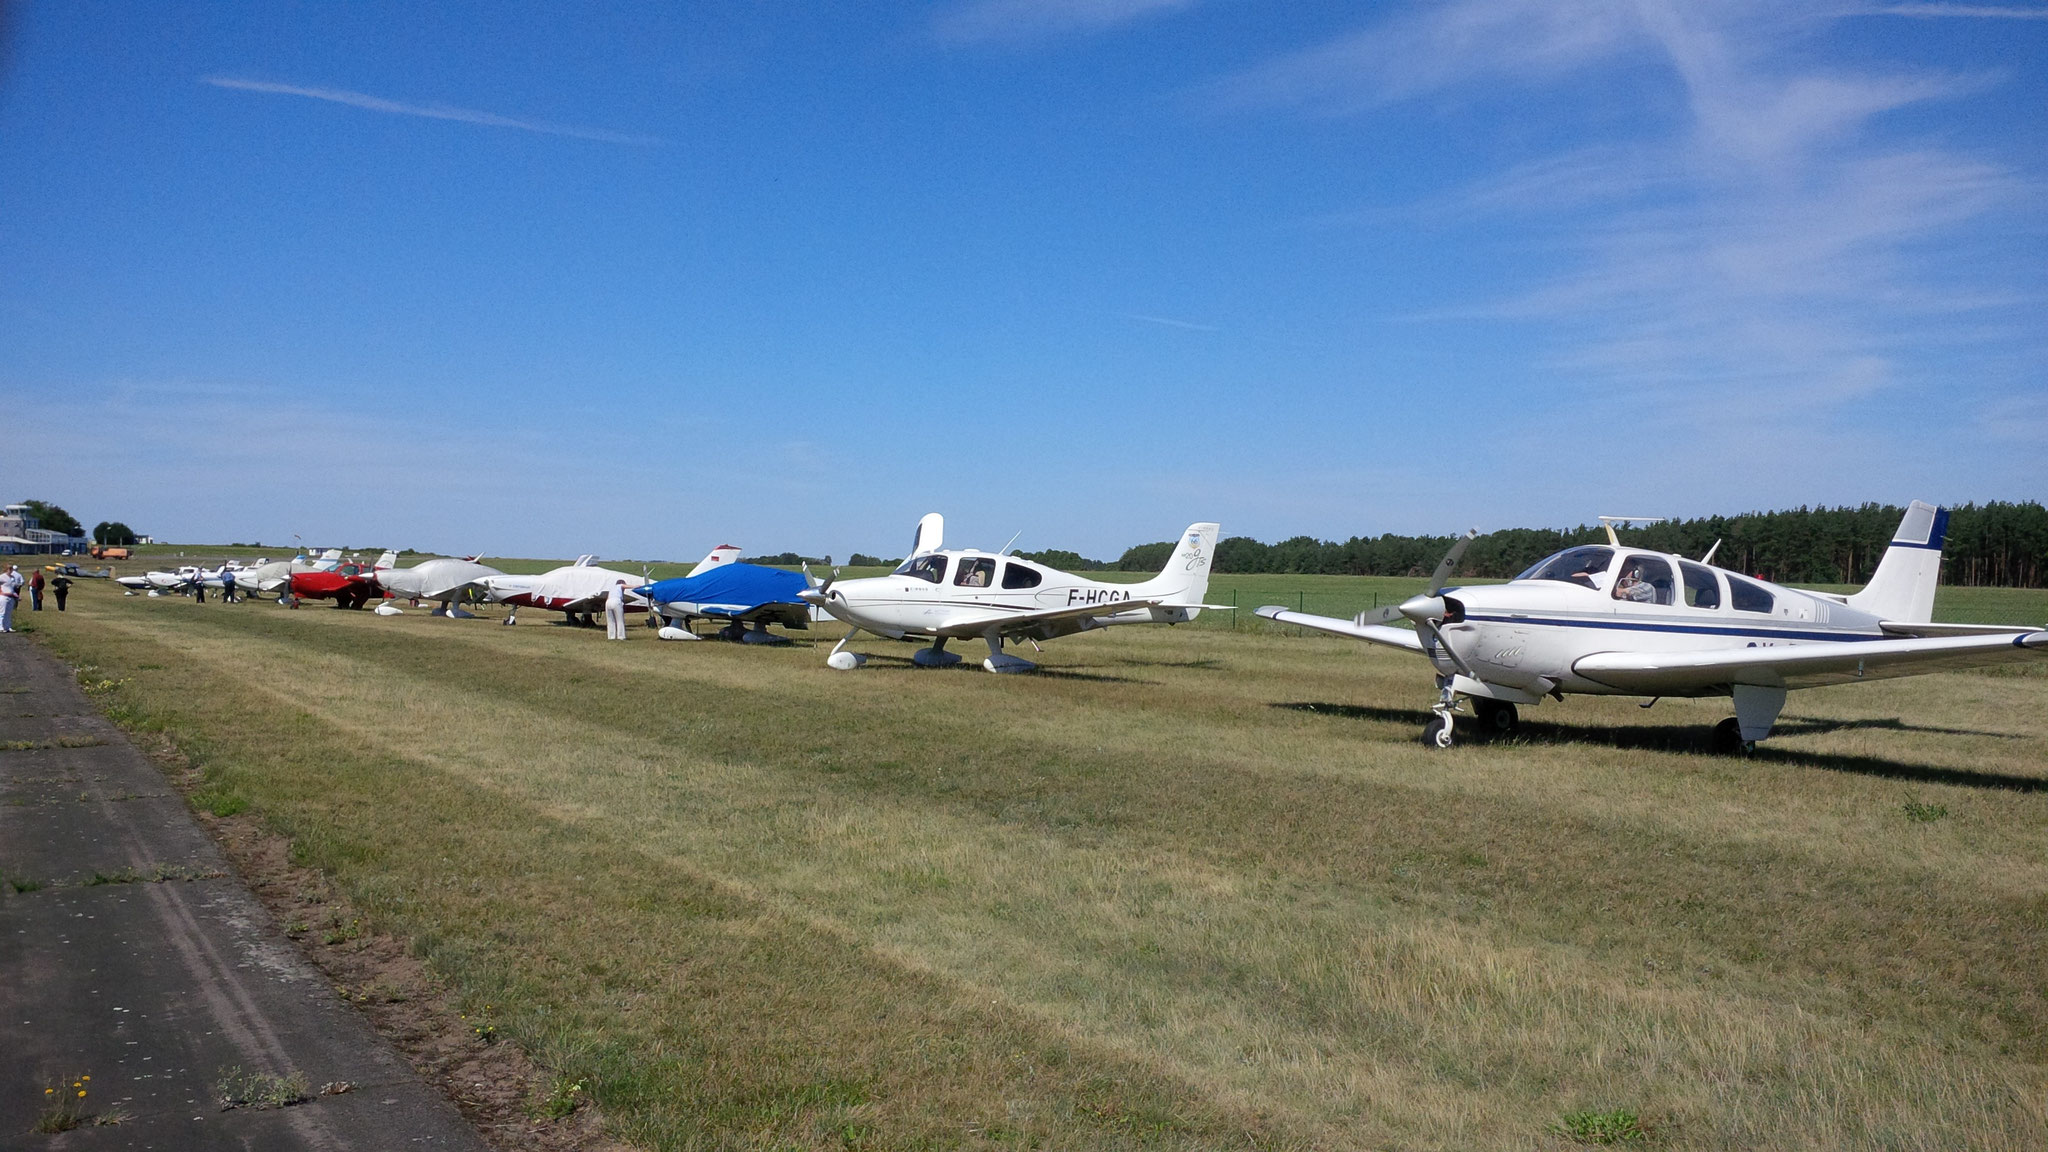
(1608, 522)
(1012, 540)
(1709, 557)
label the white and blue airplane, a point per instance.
(949, 595)
(1607, 620)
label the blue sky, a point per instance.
(639, 279)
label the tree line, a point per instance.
(1995, 544)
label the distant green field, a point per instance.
(1184, 889)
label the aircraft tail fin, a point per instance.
(931, 534)
(388, 559)
(1185, 579)
(1902, 588)
(723, 554)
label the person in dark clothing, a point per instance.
(35, 590)
(60, 587)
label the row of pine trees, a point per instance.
(1996, 544)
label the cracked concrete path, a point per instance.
(130, 953)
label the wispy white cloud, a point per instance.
(998, 20)
(1974, 11)
(1436, 46)
(1169, 322)
(428, 111)
(1773, 250)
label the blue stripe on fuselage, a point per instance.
(1693, 629)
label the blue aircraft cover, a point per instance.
(730, 589)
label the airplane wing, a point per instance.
(1898, 628)
(1804, 665)
(1386, 634)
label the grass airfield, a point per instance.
(1186, 888)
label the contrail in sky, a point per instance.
(1169, 322)
(430, 111)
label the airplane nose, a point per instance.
(1421, 608)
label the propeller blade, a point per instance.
(1385, 614)
(1449, 564)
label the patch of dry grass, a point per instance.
(1189, 888)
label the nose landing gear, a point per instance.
(1496, 719)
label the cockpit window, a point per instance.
(1746, 597)
(1020, 576)
(1701, 589)
(1645, 580)
(1583, 566)
(932, 568)
(976, 573)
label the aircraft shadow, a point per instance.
(1696, 739)
(1204, 665)
(904, 664)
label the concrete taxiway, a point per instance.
(130, 953)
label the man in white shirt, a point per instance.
(10, 595)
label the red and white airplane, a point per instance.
(580, 589)
(1607, 620)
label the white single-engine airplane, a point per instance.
(949, 595)
(1607, 620)
(445, 580)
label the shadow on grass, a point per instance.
(1808, 725)
(883, 663)
(1205, 665)
(1696, 739)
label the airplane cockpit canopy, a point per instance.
(931, 567)
(1583, 566)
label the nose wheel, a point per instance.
(1496, 719)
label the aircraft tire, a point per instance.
(1497, 718)
(1437, 733)
(1728, 739)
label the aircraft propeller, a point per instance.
(1429, 605)
(1428, 610)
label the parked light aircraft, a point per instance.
(1609, 620)
(579, 589)
(160, 580)
(949, 595)
(446, 580)
(747, 597)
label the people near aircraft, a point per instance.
(615, 612)
(10, 595)
(60, 587)
(1632, 586)
(227, 586)
(35, 590)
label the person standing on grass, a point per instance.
(35, 590)
(60, 587)
(10, 595)
(615, 611)
(227, 586)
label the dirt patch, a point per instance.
(498, 1088)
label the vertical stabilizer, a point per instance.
(385, 561)
(1185, 579)
(931, 534)
(723, 554)
(1902, 588)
